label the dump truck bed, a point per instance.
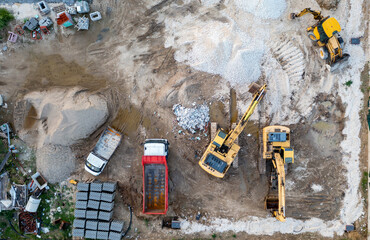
(107, 144)
(155, 184)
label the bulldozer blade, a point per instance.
(253, 88)
(338, 64)
(292, 16)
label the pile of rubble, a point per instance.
(192, 119)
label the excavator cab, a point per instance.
(287, 154)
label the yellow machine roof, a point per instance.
(330, 26)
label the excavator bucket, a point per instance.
(292, 16)
(272, 203)
(253, 88)
(338, 64)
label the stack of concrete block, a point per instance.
(94, 211)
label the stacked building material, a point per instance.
(94, 211)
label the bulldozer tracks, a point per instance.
(290, 57)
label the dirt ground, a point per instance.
(123, 58)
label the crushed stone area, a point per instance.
(192, 119)
(55, 162)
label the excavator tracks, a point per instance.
(290, 58)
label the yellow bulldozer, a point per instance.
(276, 151)
(325, 33)
(223, 148)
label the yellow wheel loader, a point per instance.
(325, 33)
(222, 150)
(276, 151)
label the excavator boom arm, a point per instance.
(281, 185)
(316, 14)
(233, 134)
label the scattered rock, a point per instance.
(328, 4)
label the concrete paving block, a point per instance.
(81, 204)
(103, 226)
(116, 226)
(92, 225)
(95, 196)
(90, 214)
(83, 187)
(80, 213)
(115, 236)
(106, 206)
(78, 232)
(79, 223)
(102, 235)
(106, 216)
(96, 187)
(90, 234)
(109, 186)
(93, 204)
(108, 197)
(82, 196)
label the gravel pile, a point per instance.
(55, 162)
(192, 119)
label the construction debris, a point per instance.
(45, 21)
(192, 119)
(82, 7)
(12, 38)
(44, 8)
(31, 24)
(27, 222)
(33, 204)
(95, 16)
(82, 24)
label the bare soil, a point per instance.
(123, 57)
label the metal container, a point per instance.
(32, 204)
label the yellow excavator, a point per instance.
(326, 34)
(276, 148)
(222, 150)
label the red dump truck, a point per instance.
(155, 176)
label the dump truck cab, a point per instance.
(156, 147)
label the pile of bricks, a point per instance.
(94, 211)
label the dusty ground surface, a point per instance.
(124, 58)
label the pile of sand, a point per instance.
(62, 117)
(66, 116)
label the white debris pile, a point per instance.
(316, 187)
(266, 9)
(216, 47)
(192, 119)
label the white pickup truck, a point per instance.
(103, 151)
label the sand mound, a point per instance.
(55, 162)
(66, 116)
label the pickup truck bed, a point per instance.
(107, 144)
(155, 185)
